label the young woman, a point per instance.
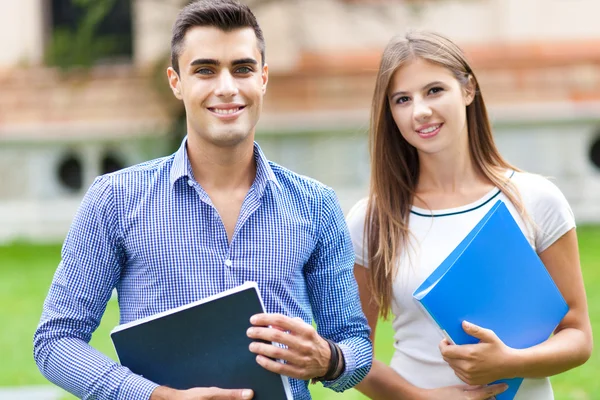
(435, 173)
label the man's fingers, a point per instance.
(214, 393)
(275, 352)
(290, 370)
(281, 321)
(232, 394)
(271, 335)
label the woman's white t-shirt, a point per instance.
(433, 236)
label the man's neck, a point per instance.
(222, 169)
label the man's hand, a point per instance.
(465, 392)
(306, 354)
(481, 363)
(211, 393)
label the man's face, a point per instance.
(221, 83)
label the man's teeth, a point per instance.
(430, 129)
(226, 111)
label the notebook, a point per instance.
(201, 344)
(494, 279)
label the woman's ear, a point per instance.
(470, 90)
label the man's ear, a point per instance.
(265, 78)
(470, 90)
(174, 82)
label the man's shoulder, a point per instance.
(298, 183)
(140, 173)
(135, 181)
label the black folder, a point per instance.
(201, 344)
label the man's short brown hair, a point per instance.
(227, 15)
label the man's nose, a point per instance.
(226, 85)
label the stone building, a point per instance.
(59, 129)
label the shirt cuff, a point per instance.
(344, 381)
(135, 387)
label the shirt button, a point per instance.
(228, 263)
(190, 182)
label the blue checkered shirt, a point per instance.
(151, 232)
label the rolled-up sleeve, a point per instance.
(334, 295)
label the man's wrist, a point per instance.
(336, 363)
(163, 393)
(341, 363)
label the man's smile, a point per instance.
(227, 111)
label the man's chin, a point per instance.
(232, 138)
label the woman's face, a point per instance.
(428, 105)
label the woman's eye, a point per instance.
(402, 99)
(435, 90)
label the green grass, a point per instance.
(26, 272)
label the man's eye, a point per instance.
(204, 71)
(244, 70)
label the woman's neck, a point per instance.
(449, 180)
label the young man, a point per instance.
(211, 216)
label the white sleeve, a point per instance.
(551, 213)
(356, 224)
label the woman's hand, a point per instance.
(465, 392)
(481, 363)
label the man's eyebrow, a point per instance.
(216, 63)
(244, 61)
(205, 61)
(423, 88)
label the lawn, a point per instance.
(26, 272)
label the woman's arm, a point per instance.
(571, 344)
(383, 383)
(569, 347)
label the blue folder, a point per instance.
(494, 279)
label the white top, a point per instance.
(433, 236)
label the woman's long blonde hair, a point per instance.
(395, 164)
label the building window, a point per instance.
(70, 172)
(111, 163)
(595, 152)
(84, 33)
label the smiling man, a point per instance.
(205, 219)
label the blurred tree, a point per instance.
(83, 34)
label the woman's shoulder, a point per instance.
(537, 189)
(546, 205)
(356, 225)
(355, 218)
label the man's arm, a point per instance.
(346, 356)
(334, 295)
(90, 268)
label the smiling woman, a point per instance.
(435, 91)
(435, 168)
